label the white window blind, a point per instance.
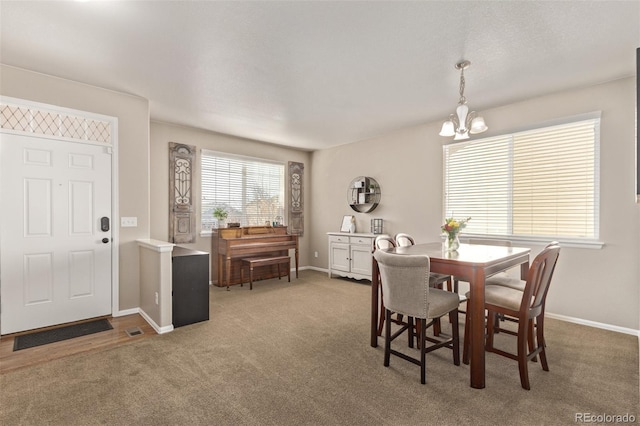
(537, 183)
(251, 190)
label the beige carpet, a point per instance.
(298, 353)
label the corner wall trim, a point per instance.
(155, 245)
(156, 327)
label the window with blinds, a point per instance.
(537, 183)
(251, 190)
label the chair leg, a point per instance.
(531, 340)
(382, 315)
(455, 332)
(423, 349)
(523, 364)
(387, 334)
(491, 325)
(467, 340)
(541, 343)
(437, 327)
(411, 332)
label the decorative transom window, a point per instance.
(251, 190)
(538, 184)
(39, 121)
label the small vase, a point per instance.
(352, 228)
(452, 242)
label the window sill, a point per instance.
(527, 241)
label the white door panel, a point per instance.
(54, 265)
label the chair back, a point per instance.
(538, 280)
(405, 283)
(384, 242)
(404, 240)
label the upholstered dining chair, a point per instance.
(503, 279)
(384, 242)
(528, 307)
(435, 280)
(406, 290)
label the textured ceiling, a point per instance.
(314, 74)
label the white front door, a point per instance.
(55, 248)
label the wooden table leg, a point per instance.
(476, 309)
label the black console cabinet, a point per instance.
(190, 280)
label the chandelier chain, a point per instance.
(462, 84)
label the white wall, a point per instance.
(589, 284)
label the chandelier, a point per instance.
(463, 122)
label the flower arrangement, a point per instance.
(452, 228)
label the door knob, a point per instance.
(105, 240)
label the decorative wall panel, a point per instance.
(181, 210)
(296, 198)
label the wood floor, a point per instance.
(10, 360)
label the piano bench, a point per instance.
(253, 262)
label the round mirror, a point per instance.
(363, 194)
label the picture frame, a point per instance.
(346, 223)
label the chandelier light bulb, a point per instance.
(478, 126)
(448, 129)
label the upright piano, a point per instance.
(230, 245)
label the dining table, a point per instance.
(472, 263)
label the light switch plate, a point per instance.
(128, 222)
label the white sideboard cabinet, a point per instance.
(350, 255)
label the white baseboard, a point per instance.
(315, 268)
(595, 324)
(126, 312)
(156, 327)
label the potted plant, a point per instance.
(220, 214)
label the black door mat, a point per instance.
(58, 334)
